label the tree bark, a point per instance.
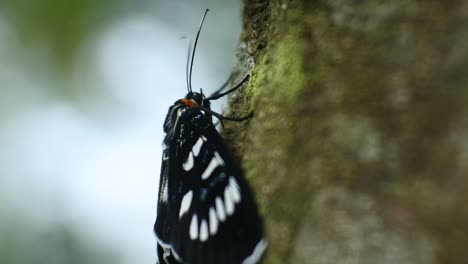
(358, 148)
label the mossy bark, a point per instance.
(358, 148)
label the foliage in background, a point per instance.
(61, 26)
(55, 29)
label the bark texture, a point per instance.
(358, 148)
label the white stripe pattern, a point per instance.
(203, 231)
(213, 221)
(229, 204)
(194, 227)
(220, 209)
(233, 190)
(257, 253)
(188, 164)
(210, 168)
(185, 204)
(197, 147)
(218, 158)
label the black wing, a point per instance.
(206, 210)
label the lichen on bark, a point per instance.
(357, 149)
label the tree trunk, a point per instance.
(358, 148)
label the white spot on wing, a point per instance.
(220, 209)
(194, 227)
(210, 168)
(229, 204)
(165, 155)
(218, 158)
(179, 113)
(257, 253)
(213, 221)
(196, 148)
(203, 231)
(163, 197)
(188, 164)
(234, 190)
(185, 204)
(233, 183)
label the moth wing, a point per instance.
(211, 214)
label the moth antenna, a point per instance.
(189, 88)
(194, 48)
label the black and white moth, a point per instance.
(206, 211)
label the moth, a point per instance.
(206, 211)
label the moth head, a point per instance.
(192, 99)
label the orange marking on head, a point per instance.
(188, 102)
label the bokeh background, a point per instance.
(84, 89)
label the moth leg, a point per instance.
(221, 117)
(219, 122)
(235, 119)
(225, 84)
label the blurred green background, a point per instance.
(84, 88)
